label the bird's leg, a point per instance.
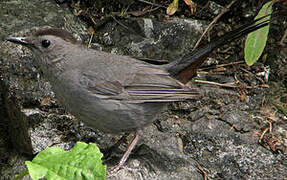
(128, 151)
(108, 152)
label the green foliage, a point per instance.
(83, 161)
(172, 8)
(281, 108)
(256, 41)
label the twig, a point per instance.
(224, 10)
(203, 172)
(124, 26)
(121, 24)
(229, 64)
(90, 40)
(222, 65)
(281, 42)
(112, 15)
(245, 70)
(228, 85)
(100, 23)
(270, 127)
(139, 13)
(262, 135)
(211, 73)
(150, 3)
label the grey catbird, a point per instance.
(116, 93)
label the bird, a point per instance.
(114, 93)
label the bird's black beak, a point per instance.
(18, 40)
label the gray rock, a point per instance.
(216, 132)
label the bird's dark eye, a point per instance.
(46, 43)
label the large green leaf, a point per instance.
(81, 162)
(256, 41)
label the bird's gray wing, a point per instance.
(146, 84)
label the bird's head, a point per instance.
(49, 45)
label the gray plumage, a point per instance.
(109, 92)
(117, 93)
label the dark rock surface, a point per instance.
(218, 132)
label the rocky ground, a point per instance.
(229, 133)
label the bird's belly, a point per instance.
(111, 116)
(115, 117)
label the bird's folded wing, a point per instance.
(151, 93)
(140, 88)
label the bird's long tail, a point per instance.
(185, 68)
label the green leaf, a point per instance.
(83, 161)
(256, 41)
(280, 108)
(172, 8)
